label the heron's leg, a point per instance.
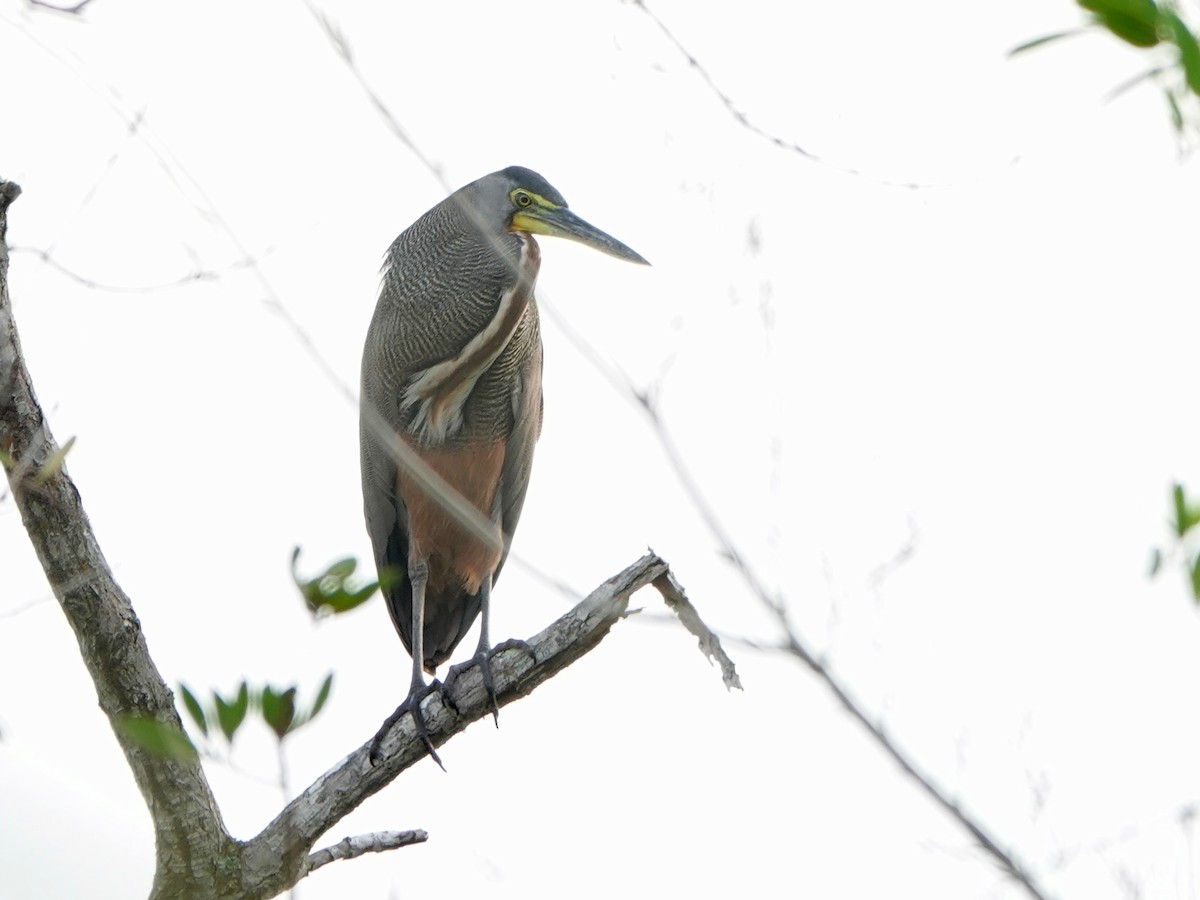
(418, 690)
(418, 578)
(483, 651)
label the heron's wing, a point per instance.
(527, 426)
(387, 523)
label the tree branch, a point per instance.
(350, 847)
(187, 823)
(517, 668)
(710, 645)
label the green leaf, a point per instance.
(1042, 41)
(195, 710)
(1195, 573)
(309, 590)
(331, 591)
(278, 709)
(322, 696)
(1146, 10)
(344, 601)
(1187, 514)
(1156, 561)
(160, 738)
(301, 718)
(1134, 21)
(342, 569)
(268, 700)
(1189, 49)
(54, 464)
(231, 713)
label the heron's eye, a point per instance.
(522, 199)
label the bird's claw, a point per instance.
(483, 659)
(411, 704)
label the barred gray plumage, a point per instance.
(452, 366)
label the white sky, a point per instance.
(1003, 360)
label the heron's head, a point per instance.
(525, 201)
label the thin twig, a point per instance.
(710, 645)
(74, 10)
(545, 578)
(736, 640)
(1132, 82)
(801, 650)
(745, 121)
(360, 844)
(342, 48)
(191, 278)
(900, 558)
(70, 586)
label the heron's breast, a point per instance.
(455, 556)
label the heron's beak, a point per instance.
(559, 221)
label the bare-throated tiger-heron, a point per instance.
(452, 367)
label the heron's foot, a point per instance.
(485, 668)
(452, 682)
(513, 644)
(411, 704)
(510, 644)
(482, 658)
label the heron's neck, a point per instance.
(440, 392)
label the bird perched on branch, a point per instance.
(452, 407)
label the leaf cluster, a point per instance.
(332, 591)
(222, 716)
(1146, 25)
(1185, 529)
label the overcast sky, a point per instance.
(969, 328)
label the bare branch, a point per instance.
(900, 558)
(350, 847)
(736, 640)
(739, 116)
(73, 10)
(548, 580)
(341, 46)
(191, 278)
(744, 120)
(517, 668)
(673, 592)
(80, 580)
(800, 649)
